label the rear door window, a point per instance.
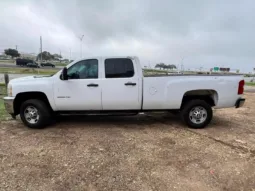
(119, 68)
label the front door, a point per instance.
(82, 90)
(120, 88)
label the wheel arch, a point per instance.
(209, 95)
(24, 96)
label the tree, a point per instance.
(45, 56)
(171, 66)
(65, 60)
(160, 65)
(12, 52)
(57, 57)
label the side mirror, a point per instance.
(64, 75)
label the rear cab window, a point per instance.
(119, 68)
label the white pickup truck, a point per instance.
(106, 85)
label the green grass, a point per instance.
(60, 64)
(7, 61)
(249, 75)
(55, 63)
(2, 89)
(3, 113)
(27, 71)
(250, 83)
(164, 72)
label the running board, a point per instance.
(91, 113)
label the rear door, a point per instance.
(120, 89)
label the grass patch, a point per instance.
(7, 61)
(60, 64)
(2, 90)
(27, 71)
(3, 113)
(250, 83)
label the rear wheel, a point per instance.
(35, 114)
(197, 114)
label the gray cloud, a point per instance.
(204, 33)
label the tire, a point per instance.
(43, 111)
(199, 111)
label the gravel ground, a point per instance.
(146, 152)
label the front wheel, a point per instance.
(35, 114)
(197, 114)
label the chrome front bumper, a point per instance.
(8, 103)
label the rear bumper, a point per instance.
(240, 102)
(8, 103)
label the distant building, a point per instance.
(28, 55)
(5, 57)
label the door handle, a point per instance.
(130, 84)
(92, 85)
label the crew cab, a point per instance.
(110, 85)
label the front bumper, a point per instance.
(8, 103)
(240, 102)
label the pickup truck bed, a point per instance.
(177, 86)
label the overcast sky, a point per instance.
(205, 33)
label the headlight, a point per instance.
(9, 91)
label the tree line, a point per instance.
(48, 56)
(164, 66)
(44, 55)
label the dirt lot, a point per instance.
(147, 152)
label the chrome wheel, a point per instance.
(31, 115)
(198, 115)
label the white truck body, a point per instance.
(134, 93)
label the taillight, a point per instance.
(241, 87)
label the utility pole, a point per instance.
(41, 47)
(149, 65)
(182, 66)
(81, 43)
(253, 75)
(70, 55)
(60, 55)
